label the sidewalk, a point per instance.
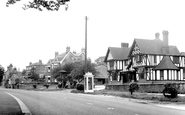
(8, 105)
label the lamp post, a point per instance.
(86, 44)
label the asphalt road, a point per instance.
(65, 103)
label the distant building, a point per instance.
(61, 59)
(39, 67)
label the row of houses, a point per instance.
(146, 61)
(59, 59)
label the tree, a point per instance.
(51, 5)
(33, 74)
(79, 70)
(23, 72)
(2, 71)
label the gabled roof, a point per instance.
(118, 53)
(166, 64)
(154, 46)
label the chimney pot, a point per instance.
(56, 54)
(67, 49)
(124, 45)
(157, 36)
(165, 38)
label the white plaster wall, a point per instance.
(158, 75)
(165, 74)
(170, 75)
(153, 75)
(175, 74)
(181, 70)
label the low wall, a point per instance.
(145, 87)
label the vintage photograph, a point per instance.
(92, 57)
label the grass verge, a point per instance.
(152, 97)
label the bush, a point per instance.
(46, 85)
(170, 90)
(80, 87)
(133, 87)
(34, 86)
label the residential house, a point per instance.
(155, 60)
(117, 61)
(39, 67)
(61, 59)
(11, 77)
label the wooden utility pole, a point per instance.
(86, 44)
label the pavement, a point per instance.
(5, 102)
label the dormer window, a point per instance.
(176, 59)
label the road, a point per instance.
(65, 103)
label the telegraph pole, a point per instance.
(86, 44)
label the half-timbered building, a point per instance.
(117, 61)
(155, 60)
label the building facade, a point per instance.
(146, 61)
(117, 62)
(155, 60)
(62, 59)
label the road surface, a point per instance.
(66, 103)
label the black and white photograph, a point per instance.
(92, 57)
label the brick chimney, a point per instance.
(67, 49)
(56, 54)
(124, 45)
(157, 35)
(165, 38)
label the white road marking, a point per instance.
(110, 108)
(23, 107)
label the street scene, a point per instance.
(67, 57)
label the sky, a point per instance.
(31, 35)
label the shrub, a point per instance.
(46, 85)
(133, 87)
(34, 86)
(80, 87)
(170, 90)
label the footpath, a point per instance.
(8, 105)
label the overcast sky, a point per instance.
(31, 35)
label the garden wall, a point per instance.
(145, 87)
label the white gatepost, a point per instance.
(88, 82)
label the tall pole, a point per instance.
(85, 44)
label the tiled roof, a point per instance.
(61, 56)
(154, 47)
(119, 53)
(166, 64)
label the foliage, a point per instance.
(23, 72)
(80, 86)
(79, 70)
(46, 85)
(33, 74)
(100, 61)
(133, 87)
(2, 71)
(51, 5)
(170, 90)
